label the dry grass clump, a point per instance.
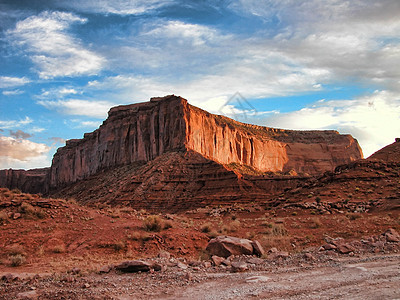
(231, 227)
(16, 255)
(206, 228)
(60, 248)
(315, 223)
(31, 212)
(353, 216)
(3, 217)
(17, 260)
(153, 223)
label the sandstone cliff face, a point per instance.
(31, 181)
(132, 133)
(141, 132)
(267, 149)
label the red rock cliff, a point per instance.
(267, 149)
(141, 132)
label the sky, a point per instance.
(292, 64)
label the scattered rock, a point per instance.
(345, 248)
(105, 269)
(9, 277)
(134, 266)
(257, 248)
(238, 266)
(28, 295)
(189, 276)
(181, 265)
(392, 236)
(217, 260)
(309, 256)
(16, 216)
(255, 279)
(255, 261)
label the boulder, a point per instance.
(225, 246)
(238, 266)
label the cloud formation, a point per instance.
(77, 107)
(53, 50)
(366, 118)
(15, 123)
(10, 82)
(120, 7)
(17, 152)
(19, 134)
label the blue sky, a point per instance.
(312, 64)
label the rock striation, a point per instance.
(168, 149)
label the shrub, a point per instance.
(30, 212)
(3, 217)
(206, 228)
(16, 191)
(118, 246)
(353, 216)
(318, 199)
(278, 230)
(60, 248)
(315, 223)
(17, 260)
(135, 236)
(153, 223)
(167, 225)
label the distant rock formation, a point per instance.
(136, 135)
(32, 181)
(141, 132)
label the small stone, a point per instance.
(164, 255)
(189, 276)
(86, 285)
(345, 248)
(207, 264)
(16, 216)
(181, 265)
(309, 256)
(217, 260)
(392, 236)
(105, 269)
(257, 248)
(255, 279)
(238, 266)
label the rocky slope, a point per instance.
(167, 150)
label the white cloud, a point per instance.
(21, 153)
(12, 93)
(52, 49)
(15, 123)
(121, 7)
(10, 82)
(373, 119)
(97, 109)
(182, 32)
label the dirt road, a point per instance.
(378, 278)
